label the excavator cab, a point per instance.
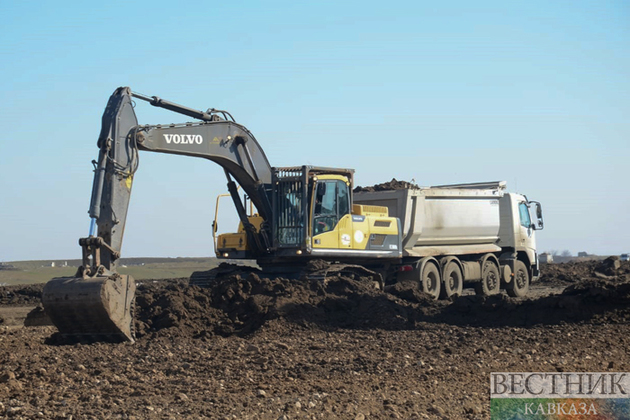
(314, 217)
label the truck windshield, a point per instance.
(523, 210)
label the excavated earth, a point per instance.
(251, 347)
(394, 184)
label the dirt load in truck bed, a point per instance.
(394, 184)
(251, 347)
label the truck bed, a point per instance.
(445, 220)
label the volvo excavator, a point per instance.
(302, 213)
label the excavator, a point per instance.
(303, 213)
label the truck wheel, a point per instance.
(452, 281)
(490, 283)
(430, 280)
(519, 286)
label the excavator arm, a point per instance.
(98, 302)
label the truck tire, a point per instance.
(519, 286)
(430, 280)
(452, 281)
(490, 283)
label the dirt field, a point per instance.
(256, 348)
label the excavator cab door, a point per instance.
(331, 205)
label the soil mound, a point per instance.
(575, 271)
(611, 267)
(241, 304)
(244, 301)
(592, 300)
(173, 303)
(394, 184)
(21, 294)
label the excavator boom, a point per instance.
(97, 303)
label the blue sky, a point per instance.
(535, 93)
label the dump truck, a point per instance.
(473, 234)
(439, 238)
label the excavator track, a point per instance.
(317, 271)
(92, 309)
(345, 270)
(206, 278)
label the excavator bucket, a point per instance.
(93, 309)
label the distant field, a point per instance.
(29, 272)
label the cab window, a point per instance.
(326, 198)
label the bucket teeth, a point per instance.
(95, 309)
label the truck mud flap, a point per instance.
(95, 309)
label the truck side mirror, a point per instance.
(539, 225)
